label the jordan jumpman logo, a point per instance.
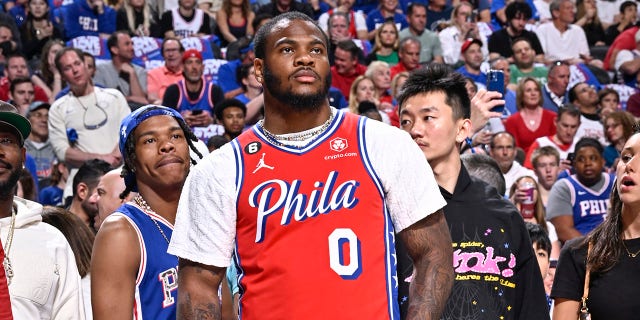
(261, 164)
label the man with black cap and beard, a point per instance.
(40, 267)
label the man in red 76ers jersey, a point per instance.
(310, 200)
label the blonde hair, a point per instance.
(353, 103)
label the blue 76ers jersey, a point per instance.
(157, 281)
(589, 206)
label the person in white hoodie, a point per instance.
(40, 267)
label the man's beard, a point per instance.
(297, 101)
(8, 187)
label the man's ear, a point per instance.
(258, 64)
(82, 191)
(464, 130)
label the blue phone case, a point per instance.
(495, 82)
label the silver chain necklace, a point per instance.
(147, 209)
(6, 263)
(275, 138)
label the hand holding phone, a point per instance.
(495, 82)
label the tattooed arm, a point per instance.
(429, 245)
(198, 291)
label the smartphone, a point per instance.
(571, 157)
(196, 112)
(495, 82)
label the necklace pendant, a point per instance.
(632, 255)
(8, 269)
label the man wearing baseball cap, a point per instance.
(38, 263)
(194, 96)
(472, 56)
(155, 143)
(37, 143)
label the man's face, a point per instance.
(418, 19)
(523, 55)
(17, 67)
(630, 13)
(5, 34)
(74, 70)
(518, 23)
(588, 165)
(187, 4)
(429, 120)
(171, 53)
(543, 259)
(410, 55)
(558, 79)
(347, 3)
(233, 121)
(504, 66)
(125, 47)
(22, 94)
(162, 153)
(567, 12)
(193, 69)
(250, 81)
(546, 169)
(503, 151)
(566, 128)
(39, 122)
(91, 65)
(339, 27)
(473, 57)
(296, 68)
(11, 160)
(344, 62)
(88, 204)
(107, 196)
(586, 95)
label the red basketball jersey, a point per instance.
(314, 237)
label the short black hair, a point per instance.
(228, 103)
(90, 173)
(260, 40)
(366, 106)
(259, 18)
(589, 142)
(485, 168)
(414, 5)
(349, 46)
(627, 4)
(243, 72)
(515, 8)
(217, 142)
(438, 78)
(17, 81)
(539, 237)
(112, 41)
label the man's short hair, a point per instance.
(626, 5)
(337, 14)
(406, 40)
(516, 8)
(438, 78)
(112, 41)
(518, 39)
(492, 142)
(485, 168)
(589, 142)
(63, 51)
(414, 5)
(243, 72)
(174, 39)
(260, 39)
(90, 173)
(228, 103)
(572, 94)
(569, 109)
(217, 142)
(349, 46)
(16, 55)
(542, 152)
(539, 237)
(19, 80)
(555, 5)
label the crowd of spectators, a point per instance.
(570, 69)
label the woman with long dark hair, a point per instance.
(610, 253)
(37, 29)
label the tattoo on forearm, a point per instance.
(433, 272)
(201, 311)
